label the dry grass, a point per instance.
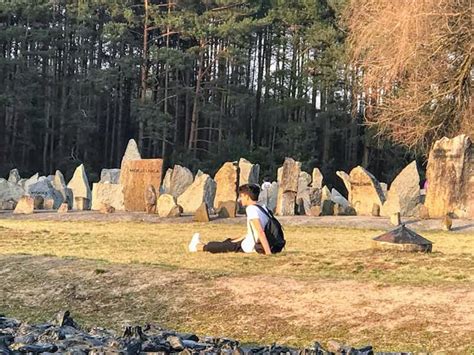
(328, 284)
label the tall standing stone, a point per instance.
(303, 198)
(198, 174)
(166, 185)
(135, 176)
(338, 198)
(269, 196)
(450, 176)
(202, 190)
(32, 180)
(404, 193)
(9, 193)
(384, 187)
(111, 176)
(317, 179)
(365, 191)
(288, 187)
(131, 152)
(59, 184)
(181, 179)
(150, 199)
(346, 179)
(325, 194)
(248, 172)
(79, 185)
(227, 182)
(14, 176)
(107, 194)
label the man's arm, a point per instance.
(258, 230)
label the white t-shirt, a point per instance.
(253, 212)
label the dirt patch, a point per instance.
(260, 309)
(359, 305)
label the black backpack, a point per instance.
(274, 233)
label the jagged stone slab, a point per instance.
(404, 239)
(202, 214)
(248, 172)
(166, 185)
(227, 182)
(288, 176)
(10, 192)
(59, 184)
(79, 185)
(346, 179)
(108, 194)
(450, 176)
(202, 190)
(131, 152)
(365, 191)
(181, 179)
(45, 189)
(14, 176)
(198, 174)
(337, 197)
(395, 219)
(150, 199)
(327, 208)
(26, 205)
(135, 177)
(111, 176)
(82, 203)
(64, 208)
(325, 194)
(269, 196)
(8, 205)
(317, 179)
(30, 181)
(227, 209)
(303, 199)
(404, 193)
(167, 207)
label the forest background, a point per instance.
(331, 83)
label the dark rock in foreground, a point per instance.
(64, 335)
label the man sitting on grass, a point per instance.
(255, 240)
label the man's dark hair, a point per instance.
(250, 190)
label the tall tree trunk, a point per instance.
(193, 132)
(144, 73)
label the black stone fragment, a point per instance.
(65, 336)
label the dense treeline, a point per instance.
(195, 82)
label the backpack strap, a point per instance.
(264, 210)
(266, 214)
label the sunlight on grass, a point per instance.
(312, 252)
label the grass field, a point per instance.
(328, 284)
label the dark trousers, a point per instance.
(227, 246)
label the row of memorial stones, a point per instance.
(450, 188)
(137, 187)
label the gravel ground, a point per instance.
(357, 222)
